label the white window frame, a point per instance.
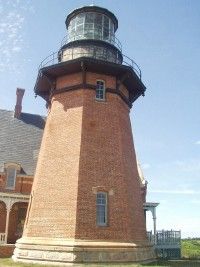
(100, 222)
(98, 89)
(13, 177)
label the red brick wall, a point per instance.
(86, 144)
(2, 217)
(73, 79)
(53, 208)
(23, 184)
(110, 81)
(6, 251)
(107, 139)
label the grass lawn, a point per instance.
(190, 248)
(183, 263)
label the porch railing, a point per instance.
(167, 244)
(2, 238)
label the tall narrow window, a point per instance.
(100, 90)
(11, 177)
(101, 206)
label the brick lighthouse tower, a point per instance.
(86, 202)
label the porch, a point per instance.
(167, 244)
(13, 207)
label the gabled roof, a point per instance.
(20, 139)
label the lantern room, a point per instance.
(91, 33)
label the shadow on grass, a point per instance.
(176, 263)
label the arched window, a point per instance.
(100, 90)
(101, 208)
(11, 177)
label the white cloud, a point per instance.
(178, 191)
(12, 21)
(188, 165)
(16, 48)
(146, 166)
(195, 201)
(197, 142)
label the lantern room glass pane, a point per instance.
(73, 22)
(105, 34)
(91, 25)
(97, 33)
(106, 22)
(98, 19)
(80, 19)
(89, 17)
(79, 31)
(111, 27)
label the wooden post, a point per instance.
(8, 208)
(154, 225)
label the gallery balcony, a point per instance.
(90, 52)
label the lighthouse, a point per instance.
(86, 203)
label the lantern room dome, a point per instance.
(92, 9)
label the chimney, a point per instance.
(18, 106)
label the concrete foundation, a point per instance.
(71, 252)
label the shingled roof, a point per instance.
(20, 139)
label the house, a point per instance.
(20, 138)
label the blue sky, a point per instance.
(163, 37)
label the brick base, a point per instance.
(67, 252)
(6, 250)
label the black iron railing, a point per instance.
(165, 237)
(56, 58)
(168, 237)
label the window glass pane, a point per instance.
(97, 33)
(98, 19)
(101, 205)
(11, 174)
(111, 27)
(80, 18)
(89, 34)
(72, 23)
(79, 31)
(105, 34)
(106, 22)
(89, 17)
(89, 26)
(89, 31)
(72, 34)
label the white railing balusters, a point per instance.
(2, 238)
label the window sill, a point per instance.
(10, 188)
(102, 226)
(100, 100)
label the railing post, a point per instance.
(8, 208)
(154, 225)
(2, 238)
